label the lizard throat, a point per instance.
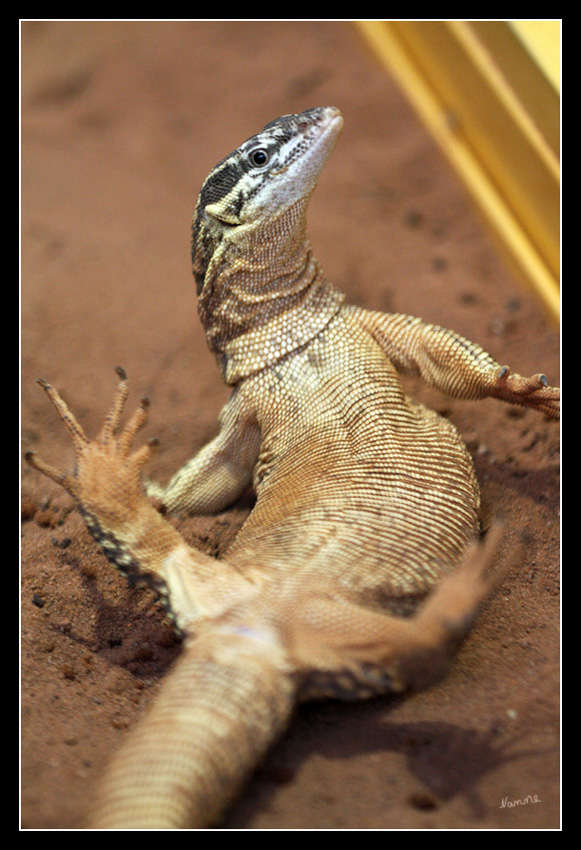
(264, 295)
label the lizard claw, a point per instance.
(532, 392)
(66, 481)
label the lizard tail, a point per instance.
(229, 697)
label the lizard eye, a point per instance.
(259, 157)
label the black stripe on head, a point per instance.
(217, 186)
(220, 182)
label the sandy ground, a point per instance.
(120, 124)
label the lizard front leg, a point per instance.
(133, 535)
(221, 471)
(454, 365)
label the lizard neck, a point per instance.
(264, 293)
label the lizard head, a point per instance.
(268, 173)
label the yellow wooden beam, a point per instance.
(542, 39)
(494, 111)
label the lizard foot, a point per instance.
(529, 392)
(107, 478)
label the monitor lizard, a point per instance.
(359, 569)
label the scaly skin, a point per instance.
(357, 571)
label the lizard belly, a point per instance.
(388, 498)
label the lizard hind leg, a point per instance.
(449, 613)
(350, 652)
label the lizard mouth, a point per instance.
(330, 125)
(334, 118)
(334, 114)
